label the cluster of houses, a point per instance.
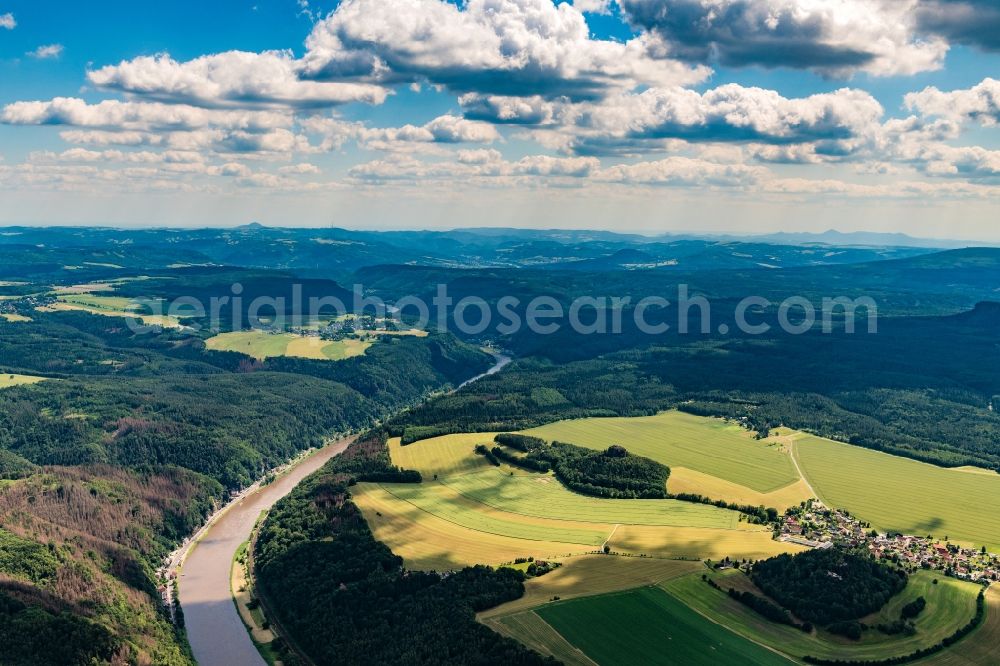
(345, 327)
(24, 303)
(814, 525)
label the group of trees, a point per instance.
(828, 586)
(613, 473)
(916, 655)
(345, 598)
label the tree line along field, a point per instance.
(678, 439)
(262, 344)
(891, 492)
(468, 511)
(978, 649)
(900, 494)
(951, 604)
(623, 626)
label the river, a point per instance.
(214, 628)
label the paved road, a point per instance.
(214, 628)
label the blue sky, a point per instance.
(743, 116)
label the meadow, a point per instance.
(950, 604)
(445, 455)
(900, 494)
(262, 344)
(468, 511)
(109, 306)
(542, 496)
(648, 625)
(677, 439)
(8, 380)
(587, 575)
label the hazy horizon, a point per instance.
(728, 117)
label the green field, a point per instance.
(980, 647)
(8, 380)
(544, 497)
(110, 303)
(439, 500)
(263, 344)
(649, 626)
(950, 604)
(441, 456)
(674, 438)
(896, 493)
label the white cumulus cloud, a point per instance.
(230, 79)
(503, 47)
(47, 52)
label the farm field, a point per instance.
(445, 455)
(542, 496)
(709, 446)
(684, 480)
(261, 345)
(950, 604)
(980, 647)
(440, 500)
(433, 525)
(534, 632)
(14, 317)
(648, 625)
(467, 511)
(895, 493)
(694, 542)
(8, 380)
(587, 575)
(109, 306)
(428, 542)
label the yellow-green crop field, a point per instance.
(14, 317)
(951, 604)
(467, 511)
(8, 380)
(262, 344)
(445, 455)
(542, 496)
(109, 306)
(673, 438)
(896, 493)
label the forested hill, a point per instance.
(123, 449)
(344, 598)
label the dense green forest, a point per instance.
(135, 437)
(614, 473)
(828, 586)
(345, 598)
(129, 444)
(921, 387)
